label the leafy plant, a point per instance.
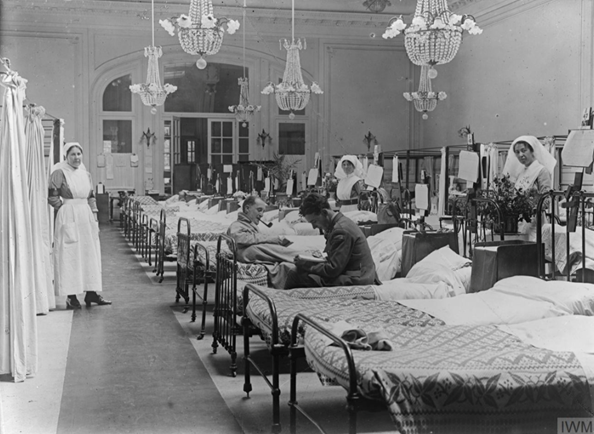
(513, 202)
(279, 168)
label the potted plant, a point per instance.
(279, 168)
(514, 204)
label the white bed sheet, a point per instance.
(494, 306)
(575, 247)
(386, 248)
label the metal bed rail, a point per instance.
(226, 312)
(160, 267)
(201, 275)
(474, 223)
(277, 350)
(183, 273)
(576, 205)
(355, 401)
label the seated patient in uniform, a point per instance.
(348, 258)
(252, 245)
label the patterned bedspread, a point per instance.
(201, 230)
(250, 273)
(143, 200)
(337, 306)
(458, 378)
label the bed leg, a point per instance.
(204, 303)
(234, 364)
(293, 393)
(276, 426)
(193, 319)
(352, 409)
(247, 384)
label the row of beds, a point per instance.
(444, 373)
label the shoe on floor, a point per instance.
(93, 297)
(72, 303)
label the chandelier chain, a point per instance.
(153, 20)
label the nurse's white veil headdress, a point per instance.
(513, 167)
(339, 172)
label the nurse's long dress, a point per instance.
(77, 252)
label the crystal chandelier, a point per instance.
(152, 93)
(435, 34)
(425, 100)
(376, 6)
(244, 111)
(292, 94)
(200, 33)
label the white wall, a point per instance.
(529, 72)
(521, 76)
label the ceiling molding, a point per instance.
(485, 11)
(139, 11)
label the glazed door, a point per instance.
(118, 162)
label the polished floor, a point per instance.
(130, 366)
(136, 367)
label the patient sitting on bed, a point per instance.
(252, 245)
(348, 259)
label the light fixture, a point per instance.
(292, 94)
(152, 93)
(200, 33)
(435, 34)
(369, 140)
(376, 6)
(264, 138)
(244, 111)
(425, 100)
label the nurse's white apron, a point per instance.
(344, 190)
(77, 252)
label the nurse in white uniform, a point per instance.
(77, 252)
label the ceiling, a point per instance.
(397, 7)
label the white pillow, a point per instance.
(294, 217)
(212, 210)
(270, 215)
(447, 257)
(463, 275)
(280, 228)
(575, 297)
(232, 215)
(361, 216)
(304, 229)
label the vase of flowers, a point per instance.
(514, 204)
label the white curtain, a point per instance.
(18, 337)
(41, 265)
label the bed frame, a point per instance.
(190, 273)
(226, 327)
(276, 348)
(355, 402)
(576, 205)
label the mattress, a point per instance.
(341, 308)
(458, 378)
